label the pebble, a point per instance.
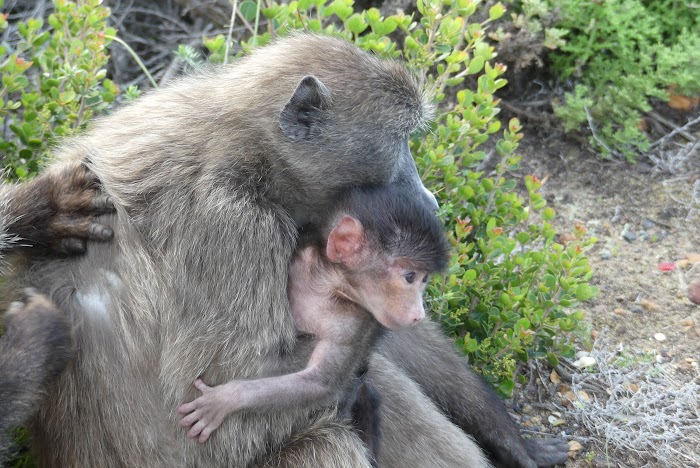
(647, 223)
(574, 446)
(694, 291)
(585, 361)
(650, 306)
(627, 234)
(659, 337)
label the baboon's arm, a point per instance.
(425, 354)
(53, 210)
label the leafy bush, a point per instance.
(617, 53)
(622, 53)
(510, 288)
(53, 81)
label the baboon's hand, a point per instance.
(57, 210)
(206, 413)
(548, 452)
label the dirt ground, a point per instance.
(642, 316)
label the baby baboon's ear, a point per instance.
(303, 113)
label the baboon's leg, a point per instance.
(327, 443)
(414, 431)
(427, 356)
(35, 348)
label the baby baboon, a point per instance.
(370, 271)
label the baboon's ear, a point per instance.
(346, 241)
(303, 113)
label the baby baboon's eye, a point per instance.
(410, 277)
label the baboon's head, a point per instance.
(344, 118)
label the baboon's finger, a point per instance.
(70, 246)
(97, 231)
(102, 204)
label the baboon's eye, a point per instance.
(425, 278)
(410, 277)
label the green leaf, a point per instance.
(248, 9)
(584, 292)
(356, 23)
(496, 11)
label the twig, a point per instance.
(539, 117)
(670, 125)
(595, 136)
(676, 131)
(230, 30)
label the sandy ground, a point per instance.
(641, 219)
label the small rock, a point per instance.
(617, 215)
(580, 354)
(637, 310)
(574, 446)
(620, 298)
(683, 264)
(585, 361)
(694, 291)
(650, 306)
(605, 254)
(659, 337)
(693, 258)
(621, 312)
(627, 234)
(647, 223)
(595, 334)
(644, 236)
(527, 409)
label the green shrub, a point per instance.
(617, 53)
(53, 81)
(510, 289)
(621, 54)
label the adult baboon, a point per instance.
(53, 212)
(212, 176)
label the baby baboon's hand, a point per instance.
(57, 210)
(206, 413)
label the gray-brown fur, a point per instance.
(209, 192)
(414, 432)
(465, 398)
(35, 347)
